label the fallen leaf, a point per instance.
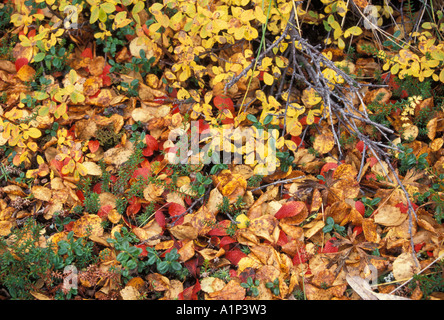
(130, 293)
(405, 266)
(88, 224)
(232, 291)
(324, 142)
(364, 290)
(389, 216)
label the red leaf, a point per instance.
(97, 188)
(327, 167)
(68, 227)
(372, 161)
(290, 209)
(192, 265)
(234, 256)
(282, 238)
(160, 218)
(80, 195)
(360, 207)
(404, 208)
(87, 53)
(144, 253)
(225, 242)
(300, 257)
(134, 206)
(20, 62)
(93, 145)
(105, 78)
(151, 146)
(357, 230)
(176, 209)
(303, 120)
(190, 293)
(220, 229)
(261, 76)
(144, 172)
(203, 125)
(298, 140)
(223, 102)
(329, 247)
(104, 210)
(360, 146)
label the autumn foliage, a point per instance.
(339, 103)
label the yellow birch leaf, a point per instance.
(34, 133)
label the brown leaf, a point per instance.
(41, 193)
(389, 216)
(211, 284)
(130, 293)
(363, 289)
(265, 227)
(369, 229)
(230, 185)
(88, 224)
(381, 93)
(187, 250)
(158, 282)
(324, 142)
(96, 66)
(184, 231)
(232, 291)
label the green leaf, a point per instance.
(131, 264)
(268, 119)
(138, 7)
(327, 228)
(39, 56)
(163, 267)
(252, 118)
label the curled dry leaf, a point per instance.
(41, 193)
(389, 216)
(130, 293)
(265, 227)
(211, 284)
(364, 290)
(405, 266)
(184, 231)
(158, 282)
(230, 185)
(232, 291)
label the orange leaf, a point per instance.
(93, 145)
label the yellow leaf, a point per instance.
(268, 79)
(34, 133)
(324, 143)
(243, 221)
(69, 167)
(291, 145)
(138, 7)
(81, 169)
(441, 75)
(354, 31)
(310, 97)
(341, 44)
(259, 14)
